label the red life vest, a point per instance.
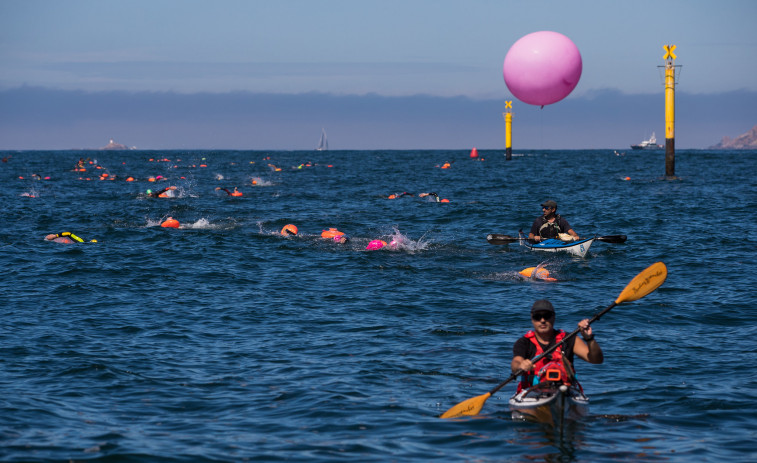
(527, 380)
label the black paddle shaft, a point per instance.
(552, 349)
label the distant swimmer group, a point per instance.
(429, 196)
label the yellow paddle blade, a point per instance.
(644, 283)
(468, 407)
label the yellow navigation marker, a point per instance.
(669, 52)
(508, 105)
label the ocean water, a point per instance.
(224, 341)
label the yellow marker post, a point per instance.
(508, 115)
(670, 89)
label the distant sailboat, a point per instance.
(323, 143)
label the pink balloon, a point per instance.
(542, 68)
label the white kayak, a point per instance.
(550, 404)
(577, 248)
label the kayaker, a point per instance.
(543, 336)
(550, 224)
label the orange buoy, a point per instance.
(474, 153)
(289, 229)
(446, 165)
(445, 200)
(170, 223)
(331, 233)
(541, 274)
(627, 178)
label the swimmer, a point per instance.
(236, 192)
(335, 235)
(289, 230)
(341, 239)
(399, 195)
(435, 196)
(65, 238)
(161, 193)
(537, 273)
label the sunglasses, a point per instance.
(546, 207)
(545, 315)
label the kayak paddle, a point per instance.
(642, 284)
(495, 238)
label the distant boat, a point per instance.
(323, 143)
(650, 144)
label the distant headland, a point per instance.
(746, 141)
(114, 146)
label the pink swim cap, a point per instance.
(375, 244)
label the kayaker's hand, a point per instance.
(537, 238)
(585, 328)
(526, 365)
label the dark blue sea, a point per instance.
(223, 341)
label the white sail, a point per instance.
(323, 143)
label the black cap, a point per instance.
(542, 305)
(549, 203)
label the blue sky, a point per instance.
(393, 56)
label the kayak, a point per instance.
(549, 403)
(577, 248)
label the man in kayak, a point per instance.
(550, 224)
(543, 336)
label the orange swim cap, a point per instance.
(170, 223)
(289, 229)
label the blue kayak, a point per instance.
(577, 248)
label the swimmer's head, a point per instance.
(149, 191)
(289, 229)
(341, 238)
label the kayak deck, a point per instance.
(549, 404)
(577, 248)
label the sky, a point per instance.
(409, 74)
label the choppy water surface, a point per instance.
(223, 341)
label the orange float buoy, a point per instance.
(627, 178)
(446, 165)
(289, 229)
(474, 153)
(170, 223)
(375, 245)
(331, 233)
(445, 200)
(541, 274)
